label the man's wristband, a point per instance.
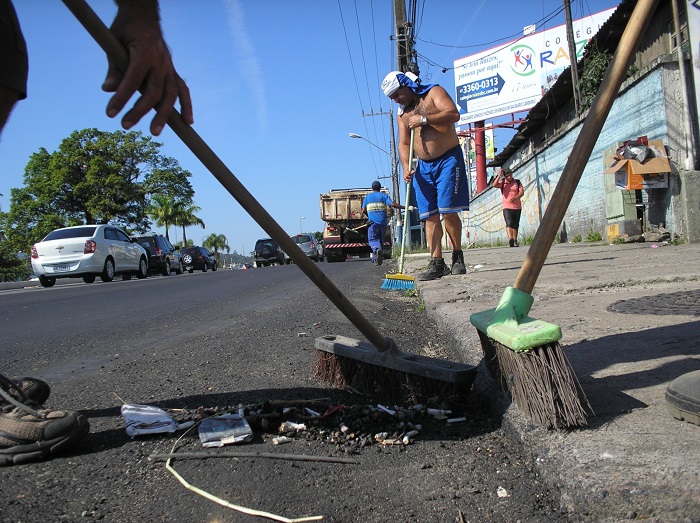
(423, 121)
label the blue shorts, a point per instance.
(441, 184)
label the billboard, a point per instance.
(513, 77)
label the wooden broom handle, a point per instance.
(570, 176)
(114, 49)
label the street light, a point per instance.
(300, 228)
(353, 135)
(394, 165)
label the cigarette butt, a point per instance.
(456, 420)
(280, 440)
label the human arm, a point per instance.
(518, 196)
(442, 112)
(150, 69)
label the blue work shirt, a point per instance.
(376, 204)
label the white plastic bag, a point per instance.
(146, 419)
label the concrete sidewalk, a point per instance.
(630, 317)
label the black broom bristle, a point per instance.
(540, 381)
(386, 385)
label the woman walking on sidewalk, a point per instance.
(511, 195)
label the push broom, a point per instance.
(400, 281)
(392, 373)
(525, 353)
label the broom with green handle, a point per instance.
(523, 352)
(400, 281)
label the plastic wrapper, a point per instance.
(226, 429)
(146, 419)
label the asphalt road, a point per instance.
(201, 342)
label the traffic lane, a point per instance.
(81, 325)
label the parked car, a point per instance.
(88, 251)
(267, 252)
(197, 258)
(163, 258)
(309, 246)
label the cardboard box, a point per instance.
(632, 175)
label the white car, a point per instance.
(88, 251)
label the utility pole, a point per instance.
(572, 55)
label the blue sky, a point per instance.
(277, 87)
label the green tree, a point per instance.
(216, 242)
(162, 211)
(184, 216)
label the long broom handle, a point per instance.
(407, 220)
(114, 49)
(570, 176)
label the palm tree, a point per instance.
(162, 210)
(184, 215)
(215, 242)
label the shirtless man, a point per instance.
(439, 180)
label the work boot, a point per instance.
(458, 266)
(436, 269)
(27, 434)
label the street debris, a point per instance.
(146, 419)
(227, 429)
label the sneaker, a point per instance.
(515, 243)
(436, 269)
(458, 266)
(27, 434)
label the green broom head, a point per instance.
(399, 282)
(509, 324)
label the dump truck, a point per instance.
(345, 234)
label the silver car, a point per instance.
(88, 251)
(308, 243)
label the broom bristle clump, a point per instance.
(383, 384)
(542, 384)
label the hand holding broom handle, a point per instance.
(570, 176)
(114, 49)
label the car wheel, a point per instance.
(143, 268)
(108, 272)
(204, 267)
(89, 278)
(214, 267)
(47, 281)
(179, 269)
(166, 269)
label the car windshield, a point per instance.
(77, 232)
(302, 238)
(263, 245)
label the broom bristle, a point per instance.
(385, 385)
(399, 282)
(540, 381)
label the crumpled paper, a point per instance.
(146, 419)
